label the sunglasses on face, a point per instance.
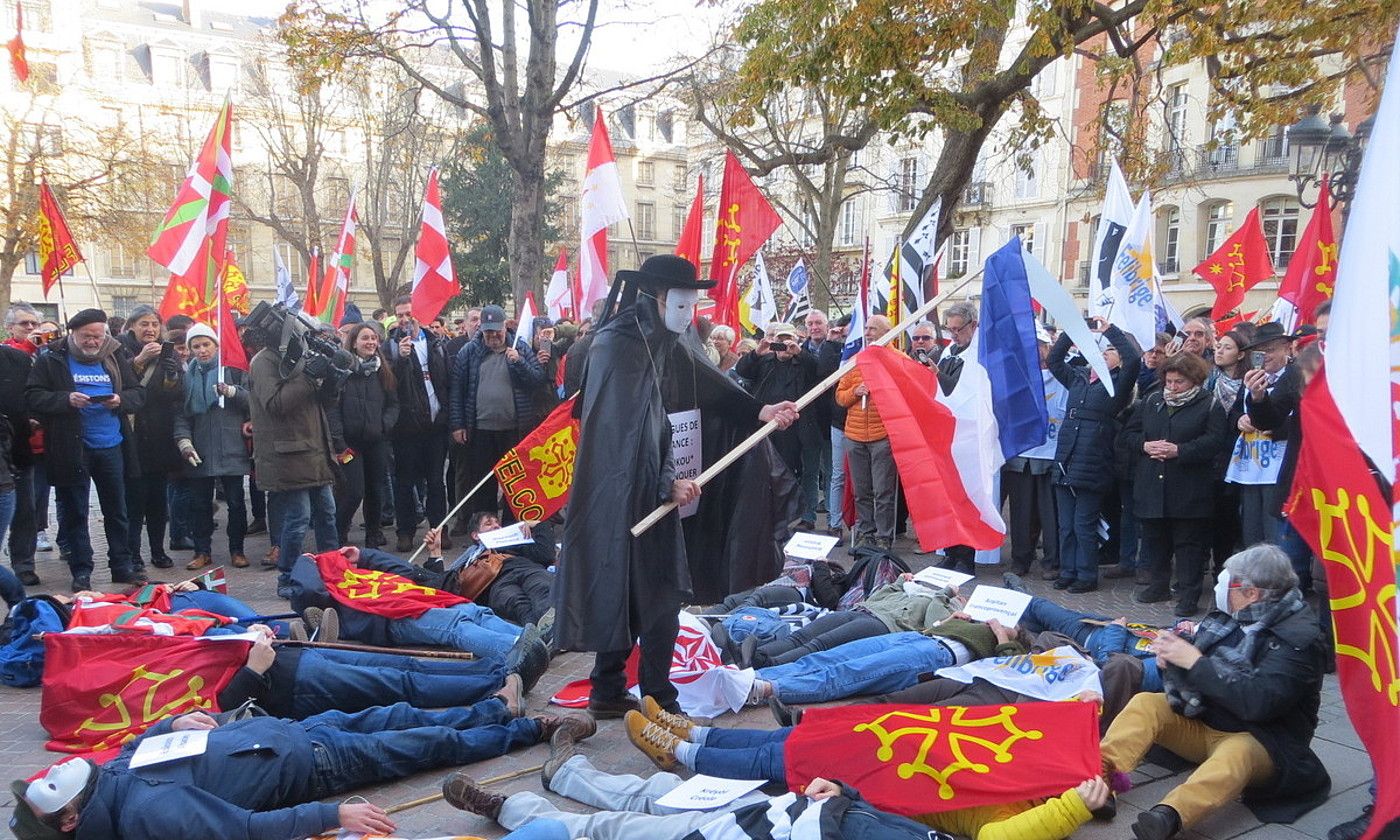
(923, 338)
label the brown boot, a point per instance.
(199, 562)
(678, 725)
(464, 793)
(238, 560)
(269, 560)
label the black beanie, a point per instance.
(87, 316)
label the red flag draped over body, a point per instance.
(916, 760)
(921, 437)
(744, 222)
(537, 472)
(379, 593)
(1237, 265)
(100, 691)
(58, 252)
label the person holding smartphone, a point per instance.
(781, 370)
(1258, 453)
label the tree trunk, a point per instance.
(526, 245)
(952, 173)
(8, 264)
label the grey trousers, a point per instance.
(628, 803)
(872, 477)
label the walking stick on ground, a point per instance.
(504, 777)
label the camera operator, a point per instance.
(780, 370)
(295, 378)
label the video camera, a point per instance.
(292, 335)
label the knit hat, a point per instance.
(86, 317)
(199, 330)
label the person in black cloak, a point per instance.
(613, 588)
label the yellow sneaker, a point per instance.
(656, 742)
(678, 725)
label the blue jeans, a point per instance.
(540, 830)
(177, 497)
(11, 590)
(468, 627)
(1078, 513)
(1101, 641)
(878, 665)
(388, 743)
(103, 467)
(838, 478)
(1299, 554)
(743, 754)
(1128, 533)
(297, 510)
(352, 681)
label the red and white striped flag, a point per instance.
(603, 205)
(525, 319)
(558, 302)
(434, 281)
(336, 289)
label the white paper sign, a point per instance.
(163, 748)
(504, 537)
(701, 793)
(810, 546)
(685, 450)
(939, 578)
(989, 602)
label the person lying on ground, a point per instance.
(261, 778)
(1097, 635)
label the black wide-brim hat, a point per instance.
(666, 271)
(1272, 331)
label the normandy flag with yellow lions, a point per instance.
(1343, 498)
(916, 760)
(537, 472)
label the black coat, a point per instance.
(774, 381)
(1182, 487)
(415, 414)
(50, 383)
(831, 412)
(1277, 414)
(1084, 450)
(15, 365)
(154, 424)
(366, 413)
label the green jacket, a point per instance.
(977, 637)
(903, 611)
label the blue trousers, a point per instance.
(837, 485)
(11, 590)
(387, 743)
(1101, 641)
(102, 468)
(296, 510)
(468, 627)
(743, 754)
(877, 665)
(352, 681)
(1078, 513)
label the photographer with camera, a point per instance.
(296, 378)
(780, 371)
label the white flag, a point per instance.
(763, 307)
(525, 320)
(1113, 223)
(286, 292)
(1134, 300)
(1062, 308)
(602, 205)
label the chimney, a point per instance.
(194, 13)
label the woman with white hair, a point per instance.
(1242, 690)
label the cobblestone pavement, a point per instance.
(22, 739)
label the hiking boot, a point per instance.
(512, 693)
(1159, 823)
(465, 794)
(612, 709)
(238, 560)
(655, 742)
(405, 543)
(270, 559)
(199, 562)
(528, 657)
(678, 725)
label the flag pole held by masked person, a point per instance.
(802, 402)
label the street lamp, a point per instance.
(1317, 149)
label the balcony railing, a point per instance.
(978, 194)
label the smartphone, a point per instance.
(1091, 321)
(1256, 359)
(102, 397)
(167, 350)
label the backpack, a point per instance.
(763, 623)
(22, 658)
(874, 567)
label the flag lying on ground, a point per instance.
(213, 579)
(537, 473)
(58, 251)
(1006, 347)
(921, 433)
(602, 205)
(916, 760)
(707, 687)
(744, 222)
(1312, 270)
(124, 617)
(1237, 266)
(1059, 674)
(100, 691)
(434, 281)
(379, 593)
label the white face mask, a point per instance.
(678, 310)
(1222, 591)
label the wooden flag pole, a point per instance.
(802, 402)
(455, 508)
(422, 654)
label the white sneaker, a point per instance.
(42, 543)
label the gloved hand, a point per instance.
(317, 366)
(187, 451)
(170, 367)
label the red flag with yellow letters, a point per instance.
(102, 690)
(384, 594)
(916, 760)
(537, 472)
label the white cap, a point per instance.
(198, 330)
(59, 786)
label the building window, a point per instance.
(849, 228)
(666, 126)
(1280, 221)
(1218, 218)
(121, 261)
(1274, 147)
(1169, 237)
(1225, 150)
(31, 263)
(627, 121)
(223, 75)
(105, 64)
(678, 216)
(123, 304)
(337, 196)
(958, 252)
(1027, 185)
(44, 140)
(167, 69)
(646, 173)
(1046, 82)
(1027, 234)
(909, 184)
(646, 220)
(1176, 125)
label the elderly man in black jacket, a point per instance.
(1241, 700)
(420, 434)
(781, 369)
